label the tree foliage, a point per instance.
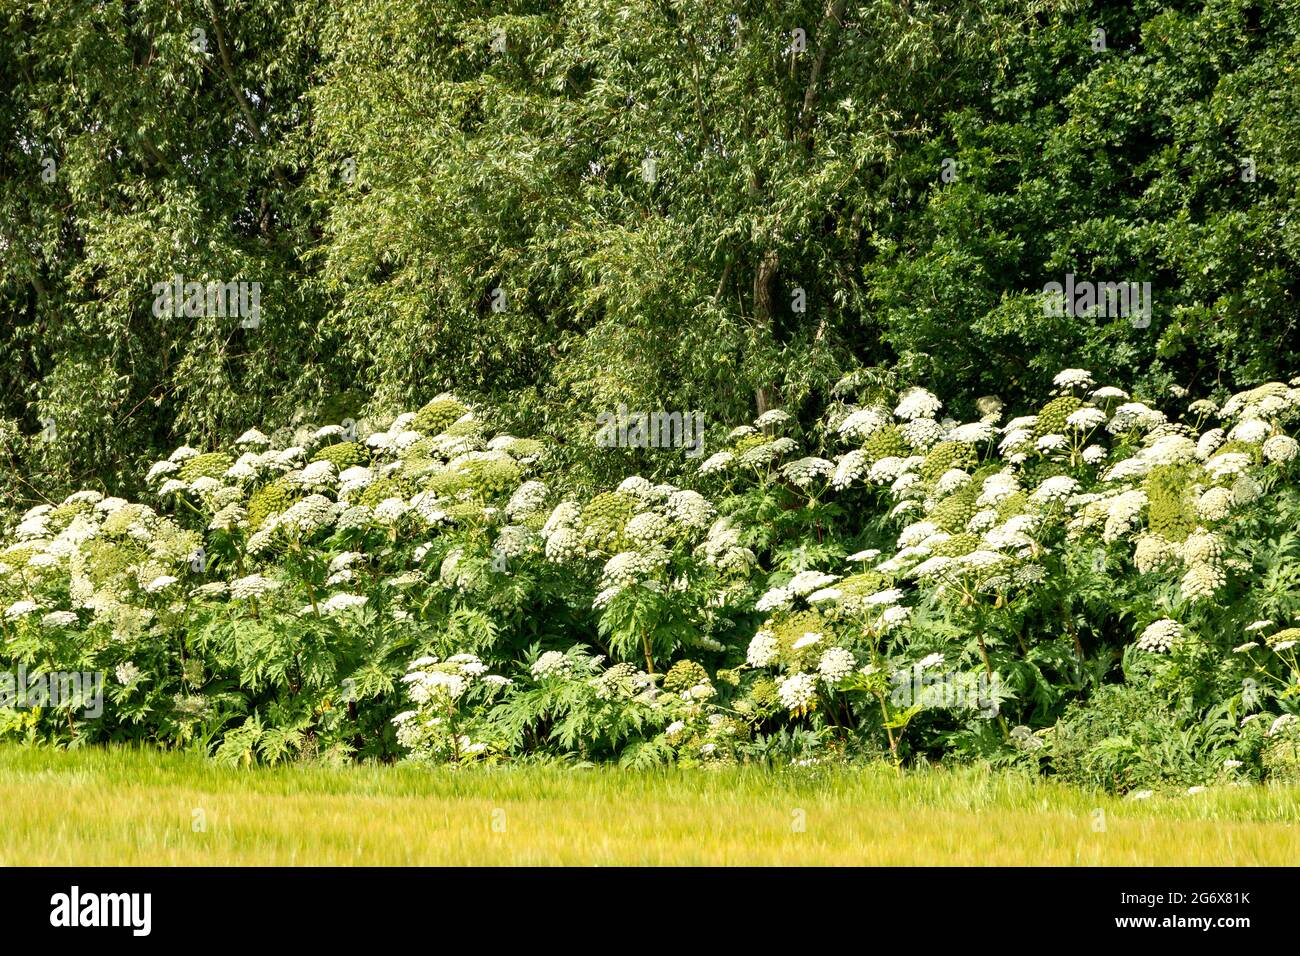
(561, 206)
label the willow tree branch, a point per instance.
(826, 34)
(228, 70)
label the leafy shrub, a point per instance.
(1124, 737)
(443, 595)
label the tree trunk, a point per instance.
(765, 396)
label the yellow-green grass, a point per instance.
(105, 807)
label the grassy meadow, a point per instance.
(118, 807)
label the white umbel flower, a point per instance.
(1159, 636)
(808, 639)
(1073, 378)
(160, 583)
(996, 488)
(354, 479)
(1086, 419)
(550, 664)
(390, 511)
(922, 433)
(859, 425)
(1209, 442)
(59, 619)
(1280, 449)
(771, 417)
(647, 529)
(254, 585)
(252, 437)
(638, 486)
(773, 599)
(836, 664)
(691, 509)
(1152, 552)
(1253, 431)
(1121, 513)
(627, 568)
(892, 618)
(1215, 504)
(309, 515)
(763, 650)
(886, 469)
(527, 499)
(804, 471)
(126, 673)
(565, 515)
(1133, 416)
(972, 433)
(161, 468)
(1109, 393)
(805, 582)
(1228, 464)
(1245, 490)
(1015, 440)
(1052, 442)
(1170, 449)
(916, 533)
(1201, 581)
(1094, 455)
(1281, 724)
(716, 463)
(850, 467)
(20, 609)
(342, 602)
(917, 403)
(1055, 488)
(798, 692)
(317, 474)
(950, 481)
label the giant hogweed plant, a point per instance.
(887, 581)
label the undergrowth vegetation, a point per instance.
(1103, 589)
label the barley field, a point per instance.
(118, 807)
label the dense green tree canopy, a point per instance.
(567, 205)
